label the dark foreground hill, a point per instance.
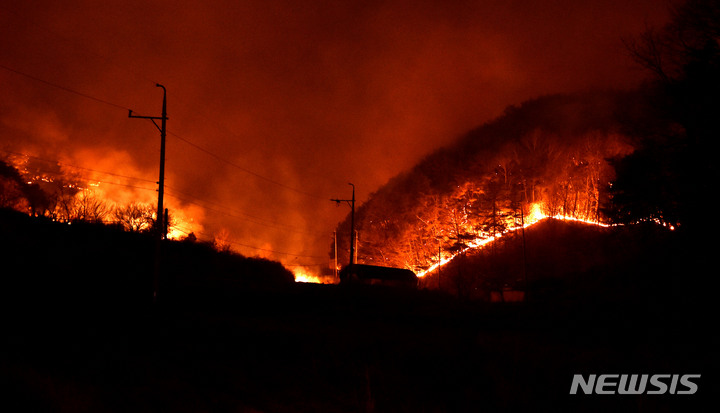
(284, 347)
(83, 261)
(561, 259)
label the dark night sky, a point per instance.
(311, 95)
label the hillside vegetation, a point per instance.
(621, 157)
(553, 151)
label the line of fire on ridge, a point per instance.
(536, 215)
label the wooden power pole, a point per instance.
(350, 202)
(160, 231)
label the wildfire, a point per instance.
(536, 215)
(81, 193)
(584, 221)
(302, 275)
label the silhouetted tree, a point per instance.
(675, 170)
(16, 193)
(221, 241)
(11, 196)
(135, 217)
(89, 207)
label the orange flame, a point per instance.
(305, 275)
(302, 275)
(536, 215)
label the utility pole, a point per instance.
(522, 223)
(335, 271)
(350, 202)
(160, 224)
(166, 221)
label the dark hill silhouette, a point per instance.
(96, 264)
(78, 337)
(567, 259)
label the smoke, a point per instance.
(275, 106)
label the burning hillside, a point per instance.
(549, 257)
(548, 157)
(66, 192)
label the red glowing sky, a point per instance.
(311, 95)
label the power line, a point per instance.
(244, 216)
(65, 88)
(241, 168)
(194, 199)
(47, 171)
(125, 185)
(194, 145)
(184, 230)
(322, 264)
(76, 167)
(274, 251)
(248, 218)
(103, 182)
(231, 242)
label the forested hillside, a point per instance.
(551, 153)
(621, 157)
